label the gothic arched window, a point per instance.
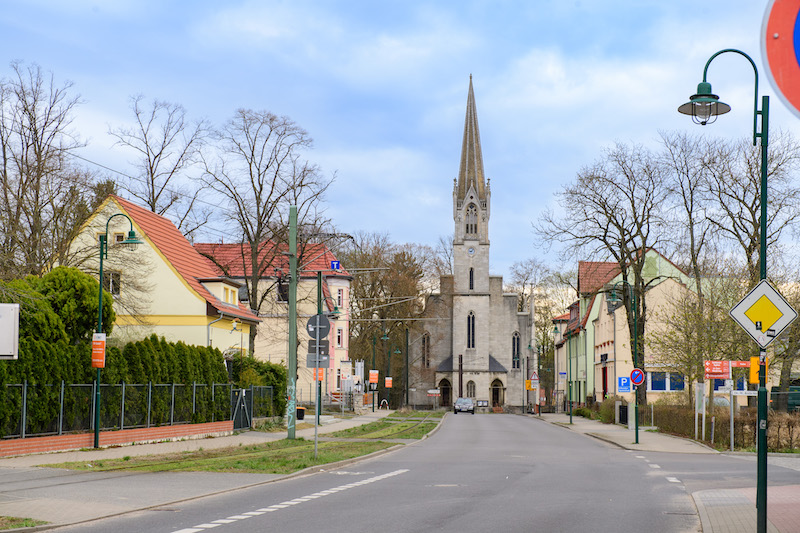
(515, 350)
(471, 278)
(470, 389)
(471, 330)
(472, 220)
(426, 350)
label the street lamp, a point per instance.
(130, 243)
(613, 298)
(569, 370)
(695, 108)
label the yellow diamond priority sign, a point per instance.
(763, 313)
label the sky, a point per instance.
(381, 87)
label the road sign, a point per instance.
(388, 382)
(336, 265)
(318, 323)
(313, 362)
(324, 347)
(434, 392)
(745, 393)
(623, 384)
(780, 48)
(717, 369)
(763, 313)
(373, 376)
(637, 376)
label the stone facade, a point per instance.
(474, 342)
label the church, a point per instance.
(473, 342)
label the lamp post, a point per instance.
(615, 299)
(704, 107)
(130, 243)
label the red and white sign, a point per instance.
(99, 350)
(637, 376)
(717, 369)
(373, 376)
(780, 48)
(740, 364)
(388, 383)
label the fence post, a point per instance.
(194, 393)
(122, 408)
(149, 400)
(24, 407)
(172, 407)
(94, 401)
(61, 409)
(213, 403)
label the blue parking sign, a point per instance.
(623, 384)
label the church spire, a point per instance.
(470, 172)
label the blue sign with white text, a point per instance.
(624, 384)
(336, 265)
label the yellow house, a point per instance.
(164, 287)
(272, 334)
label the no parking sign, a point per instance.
(780, 48)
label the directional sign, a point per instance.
(373, 376)
(780, 48)
(318, 324)
(623, 384)
(763, 313)
(717, 369)
(637, 376)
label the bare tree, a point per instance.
(614, 210)
(167, 146)
(260, 171)
(43, 197)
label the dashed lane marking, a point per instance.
(673, 480)
(283, 505)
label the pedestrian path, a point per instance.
(720, 510)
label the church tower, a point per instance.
(471, 201)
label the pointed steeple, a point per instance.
(470, 172)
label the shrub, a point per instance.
(606, 409)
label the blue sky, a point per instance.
(381, 86)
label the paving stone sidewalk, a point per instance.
(720, 510)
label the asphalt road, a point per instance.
(477, 473)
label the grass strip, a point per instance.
(12, 522)
(278, 457)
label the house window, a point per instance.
(338, 379)
(658, 381)
(119, 237)
(515, 350)
(471, 278)
(472, 220)
(111, 282)
(339, 337)
(470, 389)
(426, 350)
(665, 381)
(340, 298)
(676, 381)
(471, 330)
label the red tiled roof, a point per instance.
(592, 275)
(187, 262)
(234, 260)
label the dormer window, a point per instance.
(472, 220)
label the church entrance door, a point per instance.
(497, 393)
(446, 391)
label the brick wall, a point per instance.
(56, 443)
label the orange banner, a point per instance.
(99, 350)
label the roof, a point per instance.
(187, 263)
(235, 260)
(470, 172)
(592, 275)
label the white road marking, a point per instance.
(673, 480)
(653, 466)
(640, 456)
(283, 505)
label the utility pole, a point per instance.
(292, 370)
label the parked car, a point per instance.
(464, 405)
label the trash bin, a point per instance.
(301, 413)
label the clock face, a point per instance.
(471, 251)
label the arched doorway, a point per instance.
(446, 391)
(497, 393)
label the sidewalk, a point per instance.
(63, 497)
(720, 510)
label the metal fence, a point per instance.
(37, 410)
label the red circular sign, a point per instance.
(637, 377)
(780, 48)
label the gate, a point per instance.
(240, 414)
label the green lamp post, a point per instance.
(704, 107)
(131, 242)
(616, 299)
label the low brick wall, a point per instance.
(57, 443)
